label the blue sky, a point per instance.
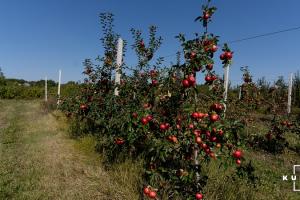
(38, 37)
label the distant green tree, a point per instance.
(263, 85)
(2, 78)
(281, 83)
(71, 83)
(296, 90)
(1, 73)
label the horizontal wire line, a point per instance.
(252, 37)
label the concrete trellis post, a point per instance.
(290, 94)
(226, 81)
(119, 64)
(46, 90)
(240, 92)
(58, 90)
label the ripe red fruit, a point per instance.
(186, 83)
(216, 107)
(163, 127)
(206, 15)
(146, 190)
(173, 138)
(209, 66)
(237, 154)
(207, 150)
(206, 42)
(228, 55)
(221, 132)
(154, 82)
(213, 139)
(201, 115)
(212, 155)
(238, 161)
(199, 196)
(119, 141)
(222, 56)
(152, 195)
(204, 146)
(208, 78)
(214, 117)
(167, 125)
(193, 55)
(198, 140)
(195, 115)
(82, 106)
(144, 121)
(214, 48)
(149, 118)
(220, 107)
(207, 133)
(191, 126)
(197, 132)
(191, 79)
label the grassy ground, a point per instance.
(39, 161)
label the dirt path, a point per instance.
(39, 161)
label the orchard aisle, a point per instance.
(39, 161)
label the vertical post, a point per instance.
(58, 90)
(240, 92)
(46, 90)
(226, 81)
(119, 64)
(290, 94)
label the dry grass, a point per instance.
(41, 162)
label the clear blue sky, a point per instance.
(38, 37)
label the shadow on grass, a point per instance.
(273, 145)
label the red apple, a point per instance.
(214, 117)
(186, 83)
(199, 196)
(237, 154)
(209, 66)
